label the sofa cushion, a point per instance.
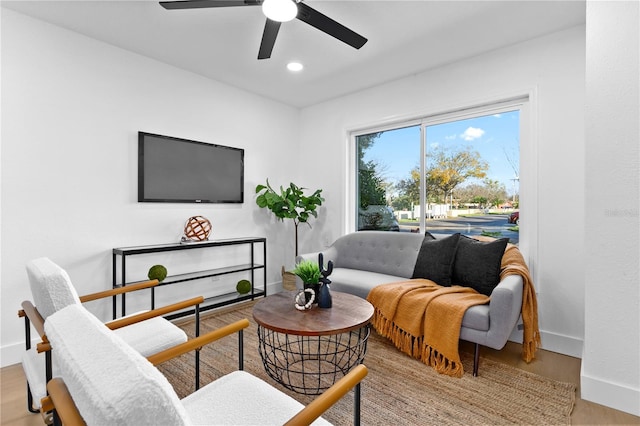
(435, 259)
(50, 286)
(477, 264)
(359, 282)
(384, 252)
(111, 384)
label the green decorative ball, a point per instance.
(157, 272)
(243, 287)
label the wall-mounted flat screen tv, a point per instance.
(174, 170)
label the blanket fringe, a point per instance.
(414, 346)
(441, 363)
(405, 342)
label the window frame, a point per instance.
(524, 102)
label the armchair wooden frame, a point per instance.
(31, 316)
(61, 403)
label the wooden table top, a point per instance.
(278, 313)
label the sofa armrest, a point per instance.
(330, 253)
(504, 310)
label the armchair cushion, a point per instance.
(246, 399)
(151, 336)
(33, 365)
(50, 286)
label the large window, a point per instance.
(444, 174)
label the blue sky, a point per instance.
(495, 137)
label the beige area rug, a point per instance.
(398, 390)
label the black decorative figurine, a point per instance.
(324, 294)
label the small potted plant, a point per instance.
(309, 273)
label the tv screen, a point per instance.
(173, 170)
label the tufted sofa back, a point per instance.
(392, 253)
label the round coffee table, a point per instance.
(308, 351)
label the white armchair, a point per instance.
(103, 381)
(146, 332)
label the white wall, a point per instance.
(71, 110)
(610, 369)
(552, 68)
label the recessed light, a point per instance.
(294, 66)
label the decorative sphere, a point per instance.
(157, 272)
(243, 287)
(197, 228)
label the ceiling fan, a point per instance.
(278, 11)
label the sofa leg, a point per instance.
(476, 359)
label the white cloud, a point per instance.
(435, 145)
(497, 115)
(472, 133)
(450, 137)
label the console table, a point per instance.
(230, 295)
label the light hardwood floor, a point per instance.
(559, 367)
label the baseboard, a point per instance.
(566, 345)
(554, 342)
(614, 395)
(12, 354)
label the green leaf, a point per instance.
(289, 202)
(261, 201)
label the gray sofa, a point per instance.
(365, 259)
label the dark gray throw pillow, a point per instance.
(477, 264)
(435, 259)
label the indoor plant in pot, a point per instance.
(309, 273)
(289, 203)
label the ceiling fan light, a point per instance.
(280, 10)
(295, 66)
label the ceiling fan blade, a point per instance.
(197, 4)
(325, 24)
(269, 35)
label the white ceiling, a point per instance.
(405, 37)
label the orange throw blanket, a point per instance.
(513, 264)
(423, 319)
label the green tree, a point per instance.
(409, 189)
(450, 168)
(402, 202)
(447, 170)
(489, 193)
(372, 188)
